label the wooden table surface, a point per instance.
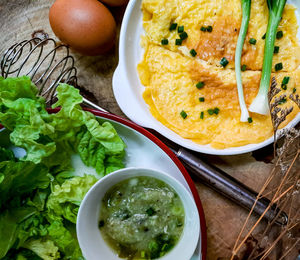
(20, 18)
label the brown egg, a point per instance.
(87, 26)
(115, 2)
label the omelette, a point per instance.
(186, 87)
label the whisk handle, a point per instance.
(228, 186)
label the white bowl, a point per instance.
(128, 89)
(90, 240)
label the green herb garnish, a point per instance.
(183, 36)
(193, 52)
(285, 80)
(252, 41)
(224, 62)
(276, 49)
(173, 26)
(200, 85)
(150, 212)
(278, 66)
(164, 41)
(201, 99)
(178, 42)
(180, 29)
(244, 67)
(202, 115)
(183, 114)
(212, 111)
(250, 120)
(279, 35)
(209, 28)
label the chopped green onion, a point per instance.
(143, 254)
(264, 36)
(183, 114)
(276, 49)
(252, 41)
(250, 120)
(294, 90)
(183, 36)
(200, 85)
(285, 80)
(180, 29)
(150, 212)
(224, 62)
(284, 87)
(201, 99)
(244, 67)
(210, 111)
(164, 41)
(206, 29)
(173, 26)
(209, 28)
(202, 115)
(216, 110)
(193, 52)
(279, 35)
(278, 66)
(178, 42)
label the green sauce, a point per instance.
(141, 218)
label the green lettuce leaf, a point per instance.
(6, 155)
(9, 227)
(66, 242)
(21, 177)
(46, 250)
(65, 199)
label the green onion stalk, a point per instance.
(260, 103)
(246, 7)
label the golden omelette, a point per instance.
(194, 95)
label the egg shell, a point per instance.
(115, 2)
(87, 26)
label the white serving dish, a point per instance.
(128, 88)
(91, 242)
(142, 150)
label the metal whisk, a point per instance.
(48, 64)
(45, 62)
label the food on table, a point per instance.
(141, 218)
(188, 68)
(246, 8)
(115, 2)
(260, 103)
(39, 194)
(87, 26)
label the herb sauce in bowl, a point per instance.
(141, 218)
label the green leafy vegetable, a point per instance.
(65, 199)
(246, 7)
(260, 103)
(44, 249)
(18, 178)
(39, 195)
(9, 227)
